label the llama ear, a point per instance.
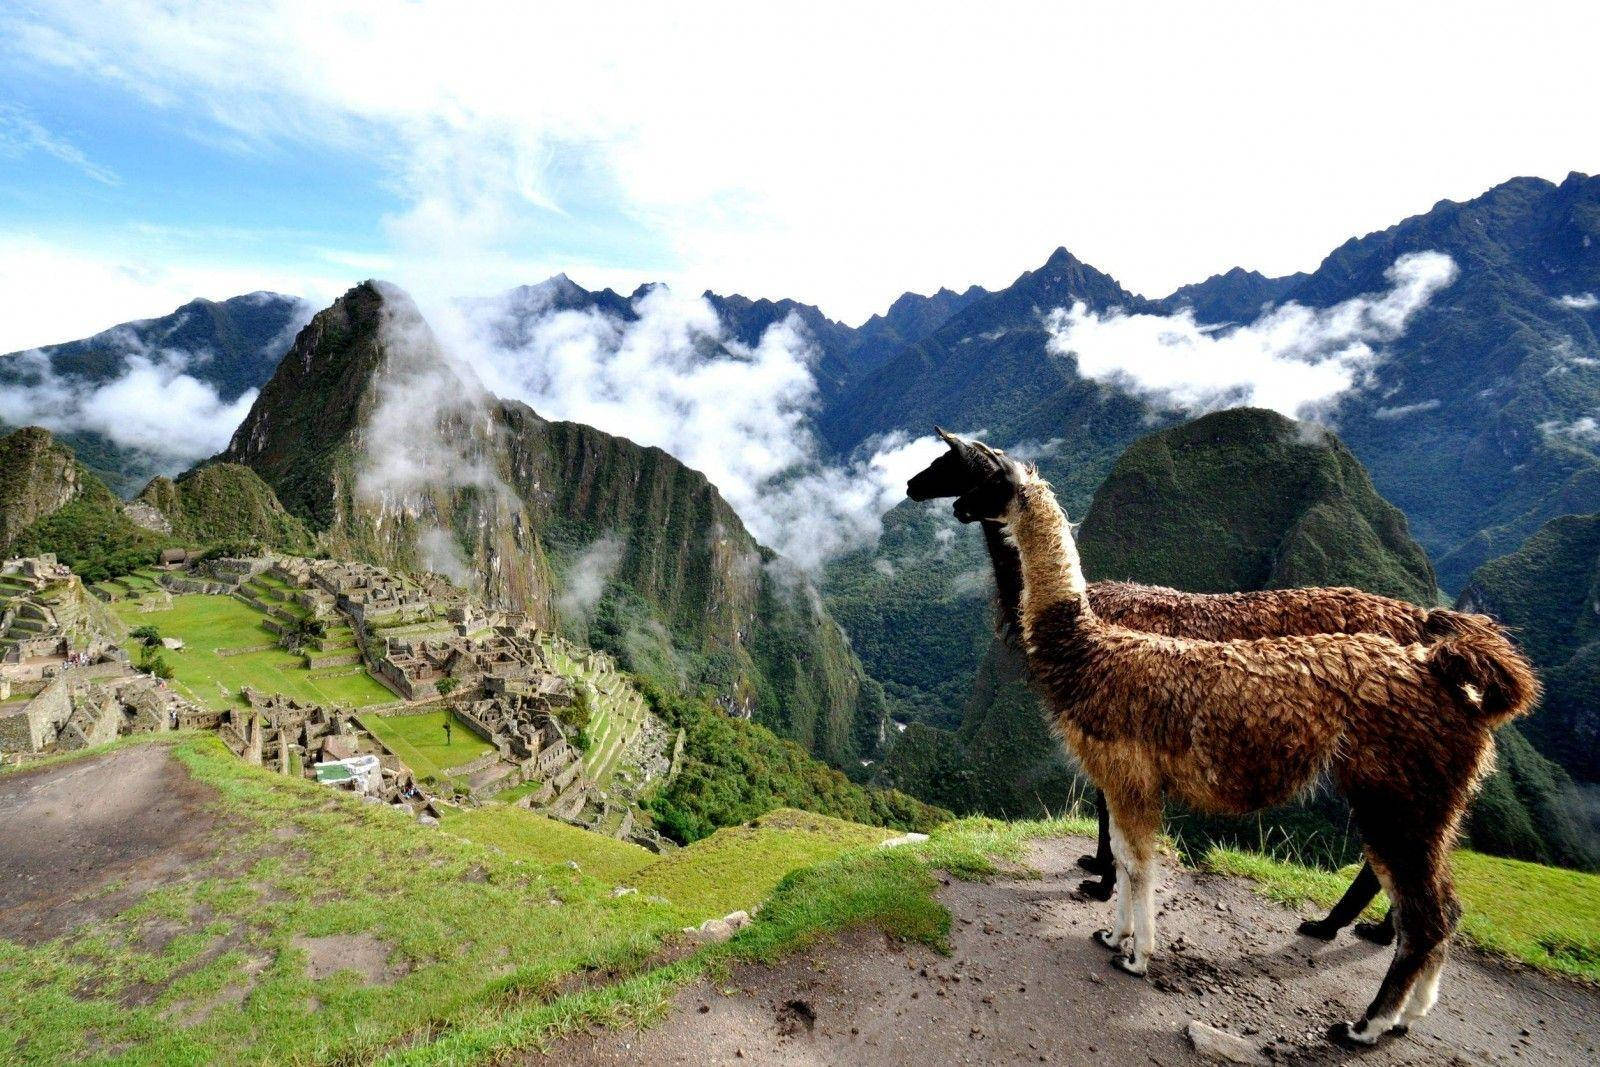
(947, 437)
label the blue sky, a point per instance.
(835, 153)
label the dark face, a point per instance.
(952, 474)
(991, 497)
(957, 472)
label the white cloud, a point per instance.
(1400, 411)
(1584, 430)
(673, 378)
(1292, 359)
(154, 405)
(586, 579)
(21, 134)
(56, 293)
(1579, 301)
(744, 146)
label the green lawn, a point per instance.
(1547, 917)
(211, 623)
(533, 837)
(739, 866)
(419, 741)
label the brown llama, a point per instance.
(1208, 616)
(1405, 731)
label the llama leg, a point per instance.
(1426, 992)
(1352, 904)
(1134, 822)
(1417, 875)
(1380, 932)
(1113, 937)
(1102, 862)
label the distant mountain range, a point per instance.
(1479, 420)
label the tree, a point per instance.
(149, 639)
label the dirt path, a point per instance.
(1025, 984)
(133, 815)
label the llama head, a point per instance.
(992, 498)
(959, 471)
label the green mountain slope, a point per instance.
(1548, 591)
(49, 502)
(391, 451)
(226, 503)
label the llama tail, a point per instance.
(1477, 660)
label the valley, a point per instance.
(435, 724)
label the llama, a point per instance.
(1212, 617)
(1405, 731)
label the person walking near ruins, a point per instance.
(447, 731)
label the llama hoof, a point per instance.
(1378, 933)
(1320, 929)
(1400, 1029)
(1127, 966)
(1094, 865)
(1097, 890)
(1351, 1035)
(1107, 939)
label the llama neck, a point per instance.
(1007, 580)
(1051, 573)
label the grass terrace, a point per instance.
(212, 670)
(419, 741)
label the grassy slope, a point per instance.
(419, 741)
(209, 623)
(1546, 917)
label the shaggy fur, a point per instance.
(1404, 730)
(1210, 616)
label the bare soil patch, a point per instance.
(1024, 983)
(132, 816)
(362, 953)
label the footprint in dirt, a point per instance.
(795, 1017)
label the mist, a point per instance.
(672, 376)
(1292, 359)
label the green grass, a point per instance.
(1546, 917)
(533, 837)
(419, 741)
(208, 624)
(737, 867)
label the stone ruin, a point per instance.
(47, 623)
(530, 745)
(74, 711)
(295, 737)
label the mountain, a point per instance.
(1477, 421)
(1239, 499)
(38, 477)
(49, 502)
(390, 450)
(233, 346)
(220, 503)
(1248, 499)
(1548, 592)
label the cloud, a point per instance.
(1293, 359)
(1579, 301)
(502, 126)
(586, 579)
(153, 406)
(672, 376)
(1584, 430)
(20, 135)
(1402, 410)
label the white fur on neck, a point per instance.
(1051, 570)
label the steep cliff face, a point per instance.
(37, 478)
(393, 451)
